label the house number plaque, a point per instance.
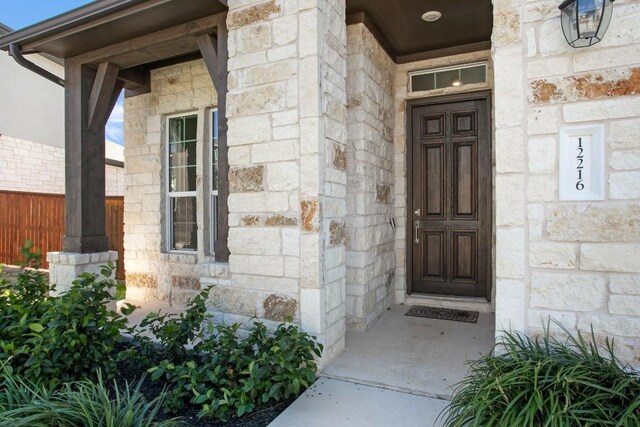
(581, 170)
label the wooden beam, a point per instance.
(222, 51)
(125, 53)
(208, 46)
(84, 165)
(101, 95)
(134, 77)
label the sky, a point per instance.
(18, 14)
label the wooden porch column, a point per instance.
(89, 99)
(215, 54)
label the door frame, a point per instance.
(435, 100)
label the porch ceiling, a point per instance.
(109, 22)
(465, 26)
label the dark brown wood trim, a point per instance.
(222, 51)
(134, 77)
(208, 46)
(114, 163)
(444, 99)
(439, 53)
(113, 52)
(363, 18)
(101, 94)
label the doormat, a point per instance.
(443, 313)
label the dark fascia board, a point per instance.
(4, 29)
(80, 15)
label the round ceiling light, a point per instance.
(431, 16)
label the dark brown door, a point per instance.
(450, 215)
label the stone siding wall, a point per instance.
(38, 168)
(370, 178)
(286, 110)
(577, 262)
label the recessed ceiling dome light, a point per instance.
(431, 16)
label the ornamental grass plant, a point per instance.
(547, 381)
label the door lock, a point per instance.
(416, 236)
(417, 212)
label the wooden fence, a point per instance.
(40, 218)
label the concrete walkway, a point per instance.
(337, 403)
(400, 372)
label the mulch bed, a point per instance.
(260, 417)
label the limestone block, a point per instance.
(247, 202)
(543, 120)
(277, 202)
(239, 155)
(541, 188)
(595, 222)
(611, 325)
(618, 257)
(509, 150)
(543, 318)
(279, 307)
(536, 221)
(624, 134)
(509, 97)
(624, 185)
(268, 73)
(509, 200)
(309, 37)
(292, 267)
(601, 109)
(552, 255)
(548, 67)
(262, 99)
(510, 305)
(506, 23)
(263, 283)
(239, 16)
(255, 241)
(625, 160)
(256, 265)
(624, 304)
(612, 57)
(291, 242)
(253, 38)
(285, 30)
(510, 243)
(246, 179)
(276, 151)
(542, 154)
(233, 300)
(571, 292)
(312, 310)
(624, 284)
(248, 130)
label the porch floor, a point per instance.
(416, 355)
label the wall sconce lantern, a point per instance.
(584, 22)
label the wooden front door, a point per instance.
(450, 197)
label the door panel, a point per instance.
(451, 198)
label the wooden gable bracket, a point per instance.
(104, 95)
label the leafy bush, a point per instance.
(547, 382)
(223, 374)
(82, 404)
(58, 338)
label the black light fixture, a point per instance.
(584, 22)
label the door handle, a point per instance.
(416, 235)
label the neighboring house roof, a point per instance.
(113, 151)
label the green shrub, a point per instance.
(547, 382)
(223, 374)
(62, 338)
(81, 404)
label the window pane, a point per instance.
(190, 127)
(214, 221)
(184, 226)
(176, 129)
(473, 75)
(447, 78)
(214, 151)
(182, 166)
(422, 82)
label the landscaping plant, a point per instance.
(547, 381)
(222, 373)
(61, 338)
(76, 404)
